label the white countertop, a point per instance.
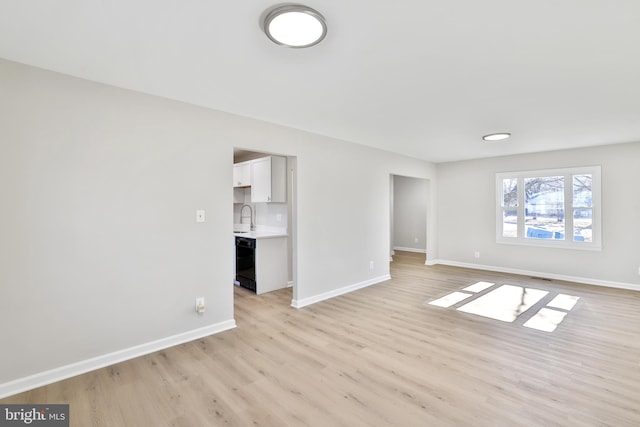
(260, 234)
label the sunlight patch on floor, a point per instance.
(478, 287)
(565, 302)
(507, 302)
(546, 320)
(451, 299)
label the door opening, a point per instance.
(264, 214)
(408, 214)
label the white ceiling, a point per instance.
(418, 77)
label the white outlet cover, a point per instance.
(200, 215)
(200, 307)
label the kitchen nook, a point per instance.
(261, 215)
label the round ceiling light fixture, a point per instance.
(496, 136)
(295, 26)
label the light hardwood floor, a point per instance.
(379, 357)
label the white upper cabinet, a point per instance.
(242, 174)
(269, 179)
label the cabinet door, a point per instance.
(261, 180)
(271, 264)
(242, 174)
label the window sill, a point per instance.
(540, 243)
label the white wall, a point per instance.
(99, 248)
(410, 213)
(466, 216)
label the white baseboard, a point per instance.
(566, 278)
(58, 374)
(337, 292)
(400, 248)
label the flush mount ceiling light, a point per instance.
(496, 136)
(295, 26)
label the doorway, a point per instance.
(408, 214)
(271, 216)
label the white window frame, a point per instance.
(567, 243)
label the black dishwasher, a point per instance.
(246, 262)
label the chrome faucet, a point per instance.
(253, 226)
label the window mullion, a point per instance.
(521, 210)
(568, 207)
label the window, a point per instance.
(553, 208)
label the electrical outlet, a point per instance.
(415, 240)
(370, 265)
(200, 307)
(476, 254)
(200, 215)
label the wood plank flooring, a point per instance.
(381, 356)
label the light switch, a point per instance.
(200, 215)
